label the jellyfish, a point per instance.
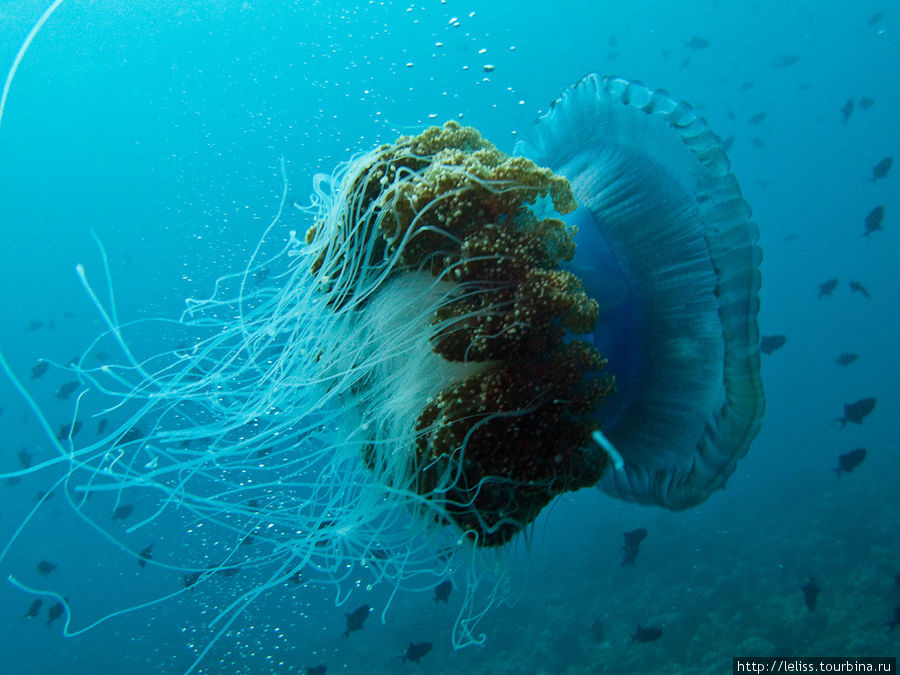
(459, 337)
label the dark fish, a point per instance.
(875, 18)
(122, 512)
(697, 42)
(416, 651)
(315, 670)
(145, 555)
(727, 143)
(873, 221)
(25, 459)
(66, 389)
(296, 577)
(881, 169)
(787, 61)
(34, 325)
(857, 287)
(811, 592)
(892, 624)
(850, 460)
(856, 412)
(866, 103)
(189, 580)
(130, 436)
(101, 426)
(68, 430)
(45, 567)
(747, 85)
(646, 634)
(54, 613)
(34, 609)
(261, 275)
(846, 358)
(827, 287)
(770, 343)
(598, 630)
(897, 580)
(633, 541)
(758, 142)
(43, 495)
(847, 110)
(442, 591)
(37, 372)
(356, 618)
(757, 118)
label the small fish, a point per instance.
(43, 495)
(897, 580)
(416, 651)
(857, 411)
(787, 61)
(727, 143)
(811, 592)
(747, 85)
(45, 567)
(54, 613)
(32, 326)
(145, 555)
(101, 426)
(827, 287)
(881, 169)
(25, 459)
(770, 343)
(875, 18)
(296, 578)
(850, 460)
(315, 670)
(189, 580)
(66, 389)
(846, 358)
(34, 609)
(37, 371)
(697, 42)
(68, 430)
(893, 624)
(132, 435)
(847, 110)
(598, 630)
(646, 634)
(122, 512)
(356, 618)
(757, 118)
(873, 221)
(261, 274)
(442, 591)
(866, 103)
(857, 287)
(633, 541)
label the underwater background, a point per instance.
(162, 126)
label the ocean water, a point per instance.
(162, 127)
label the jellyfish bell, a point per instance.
(666, 247)
(461, 336)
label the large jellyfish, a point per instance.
(459, 337)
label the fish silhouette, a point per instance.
(857, 411)
(770, 343)
(356, 619)
(811, 592)
(122, 512)
(34, 609)
(846, 358)
(54, 613)
(646, 634)
(866, 103)
(37, 371)
(850, 460)
(45, 567)
(442, 591)
(315, 670)
(857, 287)
(66, 389)
(416, 651)
(697, 42)
(633, 541)
(881, 169)
(873, 221)
(145, 555)
(827, 287)
(847, 110)
(892, 624)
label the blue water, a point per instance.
(161, 126)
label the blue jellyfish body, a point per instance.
(441, 356)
